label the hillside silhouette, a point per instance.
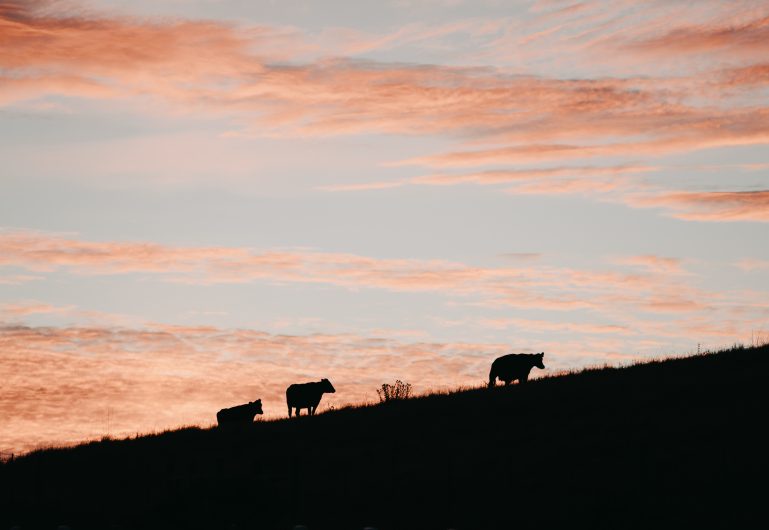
(670, 444)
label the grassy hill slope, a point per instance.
(671, 444)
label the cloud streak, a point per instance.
(711, 206)
(751, 36)
(279, 81)
(545, 287)
(244, 71)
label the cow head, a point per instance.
(257, 406)
(538, 360)
(327, 386)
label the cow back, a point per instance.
(239, 414)
(304, 394)
(515, 363)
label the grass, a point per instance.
(663, 444)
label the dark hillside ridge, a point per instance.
(670, 444)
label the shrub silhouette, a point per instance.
(399, 390)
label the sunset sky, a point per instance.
(204, 201)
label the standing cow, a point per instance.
(307, 396)
(242, 414)
(508, 368)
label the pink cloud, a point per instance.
(745, 36)
(653, 263)
(711, 206)
(60, 384)
(31, 308)
(365, 186)
(522, 256)
(745, 76)
(516, 175)
(229, 68)
(241, 72)
(550, 326)
(544, 287)
(669, 133)
(570, 186)
(18, 279)
(534, 180)
(750, 264)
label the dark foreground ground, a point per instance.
(673, 444)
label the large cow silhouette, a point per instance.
(307, 396)
(242, 414)
(514, 366)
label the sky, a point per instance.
(204, 201)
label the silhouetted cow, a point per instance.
(508, 368)
(242, 414)
(307, 396)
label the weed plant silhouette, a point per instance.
(399, 390)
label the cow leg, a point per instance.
(289, 412)
(507, 382)
(523, 379)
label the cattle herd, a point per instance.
(508, 368)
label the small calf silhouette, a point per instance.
(514, 366)
(242, 414)
(307, 396)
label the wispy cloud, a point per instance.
(18, 279)
(752, 264)
(491, 177)
(550, 326)
(746, 36)
(532, 180)
(521, 256)
(697, 129)
(242, 71)
(653, 263)
(545, 287)
(365, 186)
(711, 206)
(22, 309)
(280, 81)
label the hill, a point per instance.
(670, 444)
